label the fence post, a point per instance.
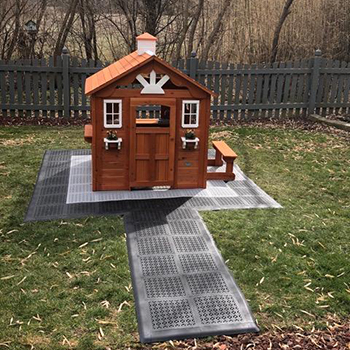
(66, 83)
(193, 65)
(315, 77)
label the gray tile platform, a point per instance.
(51, 199)
(181, 284)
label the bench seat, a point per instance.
(222, 152)
(88, 133)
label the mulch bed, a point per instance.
(335, 336)
(343, 118)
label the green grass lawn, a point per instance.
(66, 284)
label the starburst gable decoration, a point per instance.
(152, 87)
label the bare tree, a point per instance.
(217, 25)
(285, 13)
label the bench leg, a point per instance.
(218, 159)
(229, 166)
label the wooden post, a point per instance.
(315, 76)
(66, 85)
(193, 65)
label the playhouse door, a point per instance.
(152, 144)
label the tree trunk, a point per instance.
(151, 8)
(65, 28)
(184, 30)
(194, 26)
(214, 32)
(85, 31)
(16, 30)
(286, 11)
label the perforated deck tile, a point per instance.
(181, 284)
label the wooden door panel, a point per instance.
(162, 144)
(152, 152)
(162, 170)
(143, 144)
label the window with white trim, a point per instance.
(190, 113)
(112, 113)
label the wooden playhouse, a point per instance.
(132, 150)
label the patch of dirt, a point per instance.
(18, 121)
(18, 142)
(221, 135)
(336, 336)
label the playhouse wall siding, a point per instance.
(110, 168)
(188, 162)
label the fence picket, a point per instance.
(346, 93)
(59, 88)
(82, 89)
(340, 87)
(251, 93)
(11, 82)
(230, 92)
(36, 89)
(286, 91)
(258, 96)
(327, 88)
(293, 88)
(75, 86)
(19, 82)
(216, 89)
(3, 86)
(44, 87)
(272, 97)
(223, 91)
(265, 93)
(28, 88)
(320, 89)
(244, 93)
(238, 84)
(306, 88)
(334, 88)
(52, 94)
(210, 66)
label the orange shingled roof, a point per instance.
(146, 36)
(114, 71)
(126, 64)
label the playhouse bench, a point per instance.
(222, 152)
(88, 133)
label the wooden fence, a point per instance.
(40, 88)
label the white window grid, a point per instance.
(194, 112)
(115, 115)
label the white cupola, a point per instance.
(146, 43)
